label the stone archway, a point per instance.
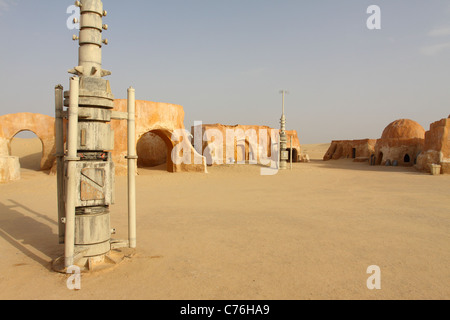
(29, 149)
(161, 119)
(41, 125)
(154, 148)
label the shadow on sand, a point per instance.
(348, 164)
(31, 162)
(28, 230)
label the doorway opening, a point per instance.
(407, 158)
(294, 155)
(28, 147)
(379, 159)
(154, 150)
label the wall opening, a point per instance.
(294, 155)
(354, 153)
(154, 151)
(28, 147)
(379, 159)
(407, 158)
(241, 152)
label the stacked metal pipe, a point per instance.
(85, 166)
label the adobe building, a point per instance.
(10, 125)
(242, 144)
(359, 150)
(404, 142)
(401, 142)
(436, 148)
(159, 129)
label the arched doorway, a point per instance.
(379, 159)
(29, 148)
(407, 158)
(154, 150)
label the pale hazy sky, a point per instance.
(225, 61)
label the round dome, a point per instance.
(404, 129)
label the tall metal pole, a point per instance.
(89, 168)
(132, 159)
(71, 159)
(283, 138)
(59, 141)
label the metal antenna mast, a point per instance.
(283, 138)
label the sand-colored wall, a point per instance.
(246, 143)
(436, 148)
(162, 119)
(9, 169)
(397, 149)
(401, 140)
(340, 149)
(41, 125)
(381, 149)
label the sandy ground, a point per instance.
(309, 233)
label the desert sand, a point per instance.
(309, 233)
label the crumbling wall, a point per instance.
(404, 151)
(163, 119)
(41, 125)
(9, 169)
(401, 142)
(436, 148)
(350, 149)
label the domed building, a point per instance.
(401, 143)
(403, 129)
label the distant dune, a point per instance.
(315, 151)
